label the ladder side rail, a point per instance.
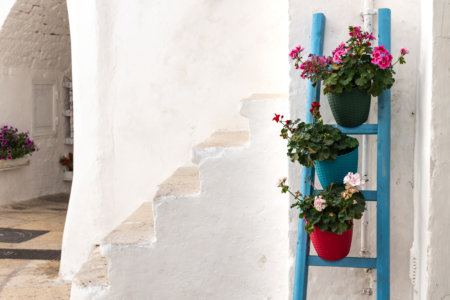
(383, 169)
(313, 94)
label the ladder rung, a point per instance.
(369, 195)
(347, 262)
(361, 129)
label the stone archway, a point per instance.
(35, 68)
(35, 57)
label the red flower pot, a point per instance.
(332, 246)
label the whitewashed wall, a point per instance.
(34, 47)
(405, 33)
(433, 164)
(419, 249)
(152, 79)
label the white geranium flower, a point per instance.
(319, 203)
(354, 180)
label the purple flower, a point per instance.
(11, 140)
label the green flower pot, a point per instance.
(350, 109)
(334, 171)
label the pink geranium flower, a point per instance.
(376, 54)
(381, 57)
(340, 47)
(295, 52)
(404, 51)
(371, 37)
(339, 52)
(380, 49)
(384, 62)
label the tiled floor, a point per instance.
(34, 279)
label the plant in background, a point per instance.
(332, 209)
(308, 143)
(67, 161)
(353, 64)
(15, 144)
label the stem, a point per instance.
(295, 196)
(292, 194)
(398, 59)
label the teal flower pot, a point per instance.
(334, 171)
(350, 109)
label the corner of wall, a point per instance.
(422, 149)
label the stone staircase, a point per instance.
(217, 228)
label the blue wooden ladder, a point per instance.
(381, 195)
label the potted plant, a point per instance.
(15, 147)
(67, 162)
(355, 72)
(331, 151)
(329, 215)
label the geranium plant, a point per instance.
(353, 64)
(332, 209)
(316, 141)
(67, 161)
(15, 144)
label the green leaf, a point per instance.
(341, 228)
(361, 81)
(334, 227)
(309, 228)
(328, 142)
(336, 66)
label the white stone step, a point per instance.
(262, 106)
(137, 229)
(260, 110)
(219, 141)
(135, 236)
(184, 181)
(91, 282)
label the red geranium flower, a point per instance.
(276, 118)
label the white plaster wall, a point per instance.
(151, 79)
(419, 250)
(405, 33)
(5, 7)
(437, 243)
(34, 47)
